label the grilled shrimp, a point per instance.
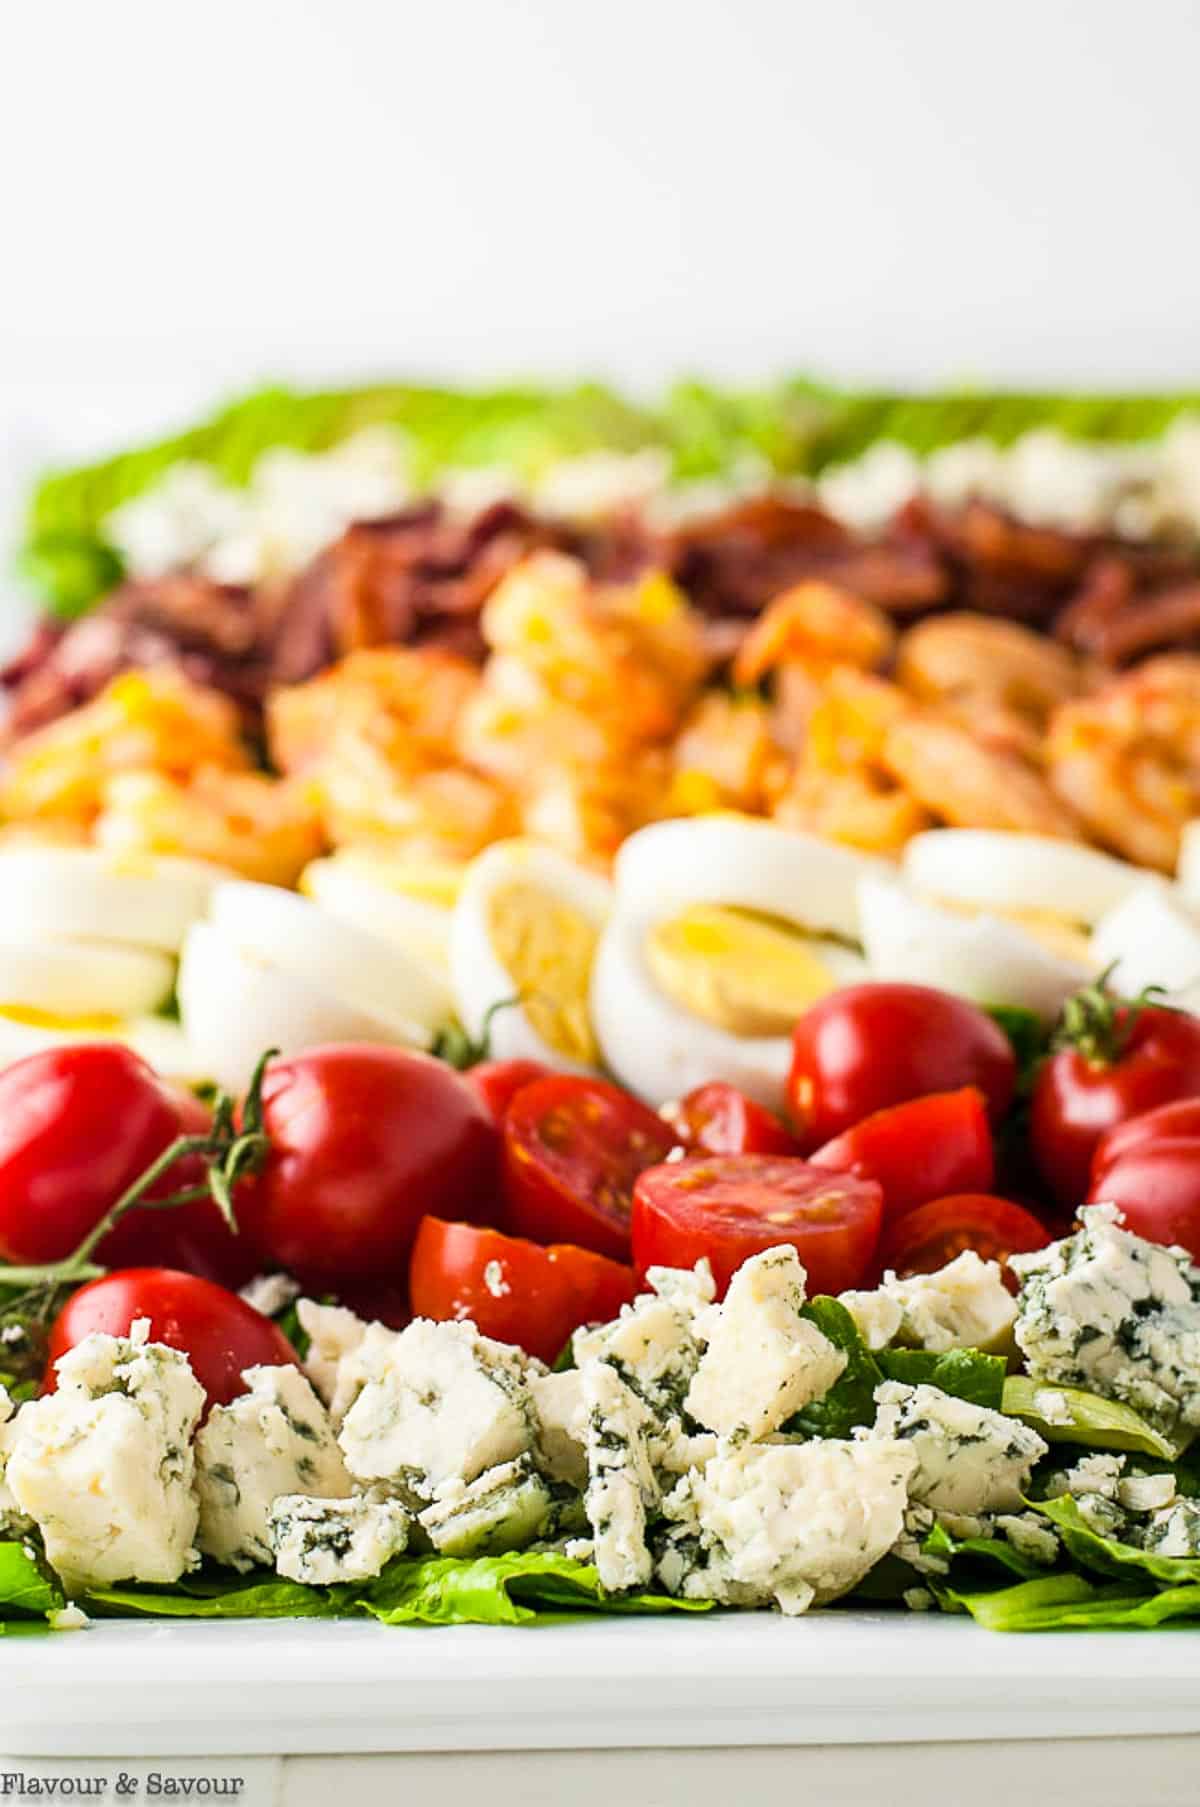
(262, 827)
(840, 786)
(971, 663)
(724, 756)
(815, 625)
(968, 783)
(1128, 759)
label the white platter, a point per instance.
(841, 1678)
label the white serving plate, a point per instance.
(237, 1689)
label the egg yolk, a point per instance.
(547, 948)
(31, 1018)
(1058, 936)
(742, 973)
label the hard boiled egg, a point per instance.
(982, 957)
(78, 978)
(408, 903)
(139, 900)
(524, 936)
(725, 932)
(1153, 938)
(1019, 875)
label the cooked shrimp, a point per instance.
(981, 669)
(1128, 759)
(840, 786)
(588, 814)
(407, 699)
(261, 827)
(815, 625)
(155, 720)
(963, 781)
(723, 757)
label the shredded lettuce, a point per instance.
(1070, 1603)
(1098, 1423)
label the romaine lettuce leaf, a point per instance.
(1071, 1603)
(850, 1401)
(1096, 1422)
(992, 1551)
(967, 1373)
(1109, 1555)
(30, 1591)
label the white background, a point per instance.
(198, 196)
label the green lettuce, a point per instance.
(850, 1401)
(1109, 1555)
(1098, 1423)
(30, 1591)
(1070, 1603)
(967, 1373)
(992, 1552)
(438, 1590)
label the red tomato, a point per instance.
(718, 1119)
(728, 1207)
(1179, 1121)
(1127, 1058)
(515, 1291)
(218, 1332)
(935, 1233)
(497, 1082)
(572, 1150)
(869, 1046)
(78, 1126)
(364, 1141)
(918, 1151)
(1150, 1168)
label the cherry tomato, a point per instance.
(869, 1046)
(918, 1151)
(718, 1119)
(516, 1291)
(572, 1150)
(218, 1332)
(927, 1238)
(78, 1126)
(1126, 1058)
(497, 1082)
(1178, 1121)
(1150, 1169)
(728, 1207)
(364, 1141)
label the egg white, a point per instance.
(1152, 938)
(234, 1004)
(306, 943)
(83, 978)
(983, 957)
(347, 891)
(148, 901)
(996, 869)
(747, 864)
(479, 976)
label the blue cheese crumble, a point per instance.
(969, 1459)
(323, 1542)
(1109, 1312)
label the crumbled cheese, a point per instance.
(653, 1345)
(270, 1293)
(274, 1439)
(104, 1466)
(322, 1542)
(763, 1361)
(969, 1459)
(1030, 1536)
(334, 1334)
(1146, 1492)
(562, 1426)
(435, 1402)
(1174, 1530)
(622, 1487)
(69, 1618)
(965, 1305)
(505, 1508)
(1120, 1316)
(877, 1316)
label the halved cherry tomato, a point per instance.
(218, 1332)
(572, 1150)
(935, 1233)
(718, 1119)
(1150, 1169)
(870, 1046)
(364, 1140)
(918, 1151)
(728, 1207)
(1122, 1059)
(515, 1291)
(496, 1083)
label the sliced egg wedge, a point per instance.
(374, 896)
(83, 978)
(524, 936)
(1153, 938)
(743, 862)
(140, 900)
(155, 1038)
(746, 974)
(1035, 877)
(349, 963)
(234, 1004)
(662, 1048)
(984, 957)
